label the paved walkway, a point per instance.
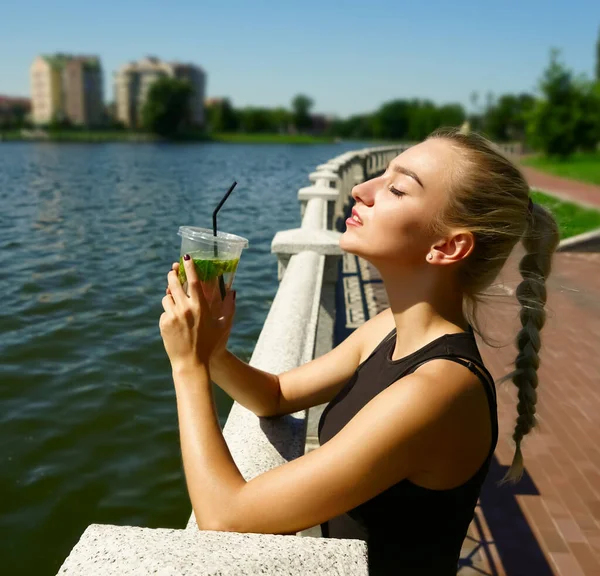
(549, 523)
(579, 192)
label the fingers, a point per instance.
(167, 303)
(194, 287)
(228, 309)
(175, 268)
(174, 288)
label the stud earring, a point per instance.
(429, 256)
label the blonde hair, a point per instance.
(490, 197)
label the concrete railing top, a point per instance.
(307, 259)
(106, 550)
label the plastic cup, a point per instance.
(216, 259)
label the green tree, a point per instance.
(166, 111)
(359, 126)
(301, 106)
(59, 122)
(15, 116)
(423, 119)
(221, 117)
(255, 120)
(506, 120)
(392, 120)
(414, 119)
(553, 120)
(281, 120)
(587, 123)
(451, 115)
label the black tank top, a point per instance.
(409, 529)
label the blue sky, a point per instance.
(349, 56)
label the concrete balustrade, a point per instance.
(329, 195)
(325, 178)
(299, 327)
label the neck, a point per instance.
(426, 304)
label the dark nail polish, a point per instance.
(186, 257)
(234, 295)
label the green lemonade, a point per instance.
(209, 269)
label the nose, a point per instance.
(364, 193)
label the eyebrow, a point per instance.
(402, 170)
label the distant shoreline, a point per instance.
(108, 136)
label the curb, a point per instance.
(586, 242)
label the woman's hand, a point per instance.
(189, 331)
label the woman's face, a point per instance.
(395, 209)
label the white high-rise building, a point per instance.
(67, 87)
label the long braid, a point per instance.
(540, 241)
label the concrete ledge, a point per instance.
(323, 192)
(314, 214)
(287, 338)
(587, 242)
(124, 551)
(331, 166)
(325, 175)
(326, 242)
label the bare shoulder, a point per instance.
(455, 401)
(458, 379)
(374, 331)
(452, 389)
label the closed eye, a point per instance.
(396, 192)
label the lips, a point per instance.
(356, 217)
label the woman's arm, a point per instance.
(402, 430)
(255, 389)
(311, 384)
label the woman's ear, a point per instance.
(453, 249)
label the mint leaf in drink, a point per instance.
(208, 269)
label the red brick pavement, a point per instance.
(567, 189)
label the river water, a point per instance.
(88, 425)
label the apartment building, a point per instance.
(133, 81)
(46, 89)
(67, 87)
(82, 84)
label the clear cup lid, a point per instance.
(204, 234)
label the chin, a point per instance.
(349, 244)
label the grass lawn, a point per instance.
(80, 136)
(99, 136)
(10, 135)
(240, 138)
(572, 219)
(584, 167)
(194, 136)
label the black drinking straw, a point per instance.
(219, 206)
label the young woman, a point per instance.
(411, 425)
